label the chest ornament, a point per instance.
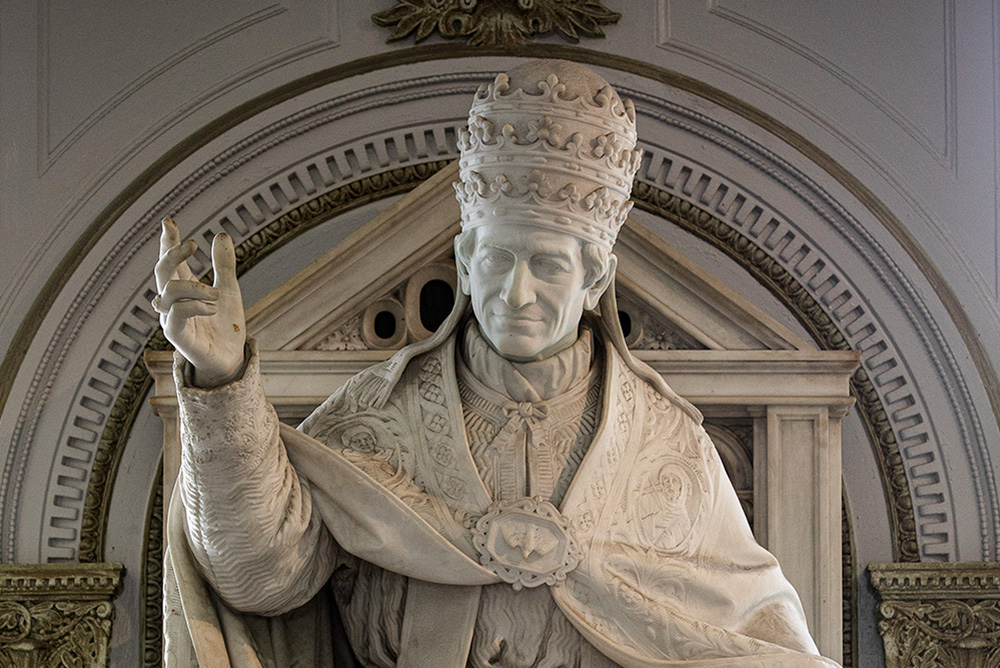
(527, 542)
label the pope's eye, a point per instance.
(494, 260)
(548, 266)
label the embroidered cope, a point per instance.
(270, 518)
(521, 448)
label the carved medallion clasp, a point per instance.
(527, 542)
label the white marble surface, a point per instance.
(534, 253)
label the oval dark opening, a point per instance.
(436, 300)
(385, 324)
(626, 320)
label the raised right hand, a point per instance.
(206, 324)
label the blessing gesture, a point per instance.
(206, 324)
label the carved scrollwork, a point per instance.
(939, 615)
(56, 615)
(495, 22)
(347, 336)
(940, 633)
(15, 622)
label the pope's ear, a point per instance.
(463, 269)
(595, 291)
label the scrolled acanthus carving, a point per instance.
(495, 22)
(939, 615)
(56, 614)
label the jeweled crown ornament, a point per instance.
(550, 144)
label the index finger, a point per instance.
(173, 263)
(224, 261)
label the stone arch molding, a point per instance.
(107, 320)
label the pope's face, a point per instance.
(527, 290)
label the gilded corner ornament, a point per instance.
(495, 22)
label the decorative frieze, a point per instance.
(939, 614)
(56, 614)
(495, 22)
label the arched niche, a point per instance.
(920, 472)
(742, 368)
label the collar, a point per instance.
(539, 380)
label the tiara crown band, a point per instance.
(551, 159)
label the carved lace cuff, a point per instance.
(230, 426)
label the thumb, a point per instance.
(224, 261)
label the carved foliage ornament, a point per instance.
(939, 615)
(933, 634)
(496, 22)
(56, 615)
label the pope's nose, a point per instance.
(518, 289)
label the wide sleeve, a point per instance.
(250, 520)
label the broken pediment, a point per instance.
(414, 309)
(393, 282)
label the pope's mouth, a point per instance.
(516, 319)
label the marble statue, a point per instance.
(516, 491)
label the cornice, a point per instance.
(921, 581)
(88, 581)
